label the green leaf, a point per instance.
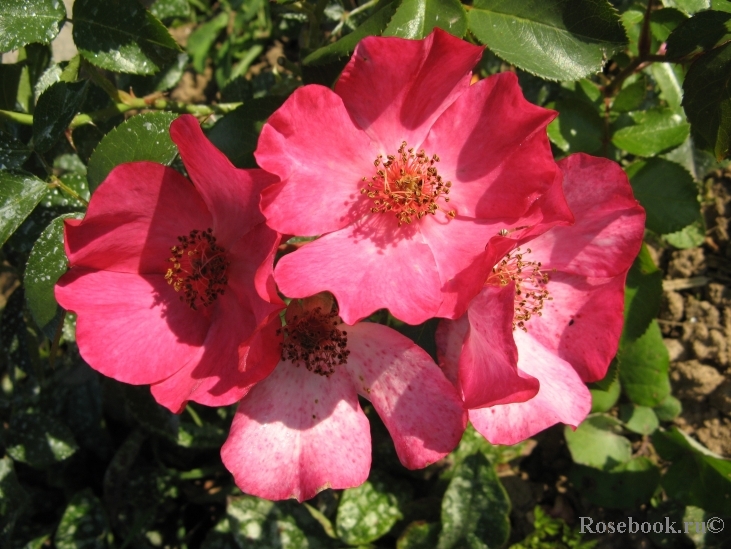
(707, 98)
(415, 19)
(554, 39)
(19, 195)
(578, 128)
(13, 499)
(419, 535)
(46, 264)
(638, 419)
(193, 436)
(643, 368)
(654, 131)
(367, 512)
(688, 6)
(630, 96)
(602, 400)
(168, 9)
(627, 486)
(55, 110)
(25, 21)
(343, 48)
(13, 153)
(122, 36)
(688, 237)
(703, 32)
(83, 524)
(142, 137)
(475, 507)
(665, 21)
(201, 40)
(668, 409)
(597, 442)
(667, 192)
(153, 417)
(697, 476)
(164, 80)
(642, 295)
(39, 440)
(670, 80)
(237, 133)
(721, 5)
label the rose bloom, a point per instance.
(166, 276)
(406, 171)
(552, 306)
(302, 430)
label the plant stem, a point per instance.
(56, 182)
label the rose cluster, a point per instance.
(421, 191)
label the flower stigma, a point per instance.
(407, 184)
(530, 285)
(312, 337)
(199, 268)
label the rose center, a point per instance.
(198, 269)
(314, 339)
(530, 285)
(408, 186)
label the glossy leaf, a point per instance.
(39, 439)
(122, 36)
(654, 131)
(13, 153)
(25, 21)
(665, 21)
(578, 127)
(669, 79)
(554, 39)
(475, 507)
(597, 442)
(168, 9)
(344, 47)
(642, 295)
(643, 368)
(55, 110)
(415, 19)
(627, 486)
(707, 99)
(367, 512)
(688, 6)
(667, 192)
(703, 32)
(46, 264)
(142, 137)
(83, 524)
(638, 419)
(19, 195)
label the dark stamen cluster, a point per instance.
(199, 268)
(314, 340)
(408, 185)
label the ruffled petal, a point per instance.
(297, 433)
(610, 223)
(395, 88)
(499, 158)
(132, 328)
(562, 398)
(419, 406)
(320, 156)
(368, 266)
(213, 377)
(582, 322)
(488, 372)
(134, 218)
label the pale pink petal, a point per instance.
(449, 338)
(232, 195)
(134, 218)
(493, 146)
(488, 372)
(583, 321)
(297, 433)
(320, 156)
(419, 406)
(610, 223)
(212, 377)
(130, 327)
(368, 266)
(562, 398)
(395, 88)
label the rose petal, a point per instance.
(418, 405)
(134, 218)
(297, 433)
(395, 89)
(130, 327)
(449, 338)
(562, 398)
